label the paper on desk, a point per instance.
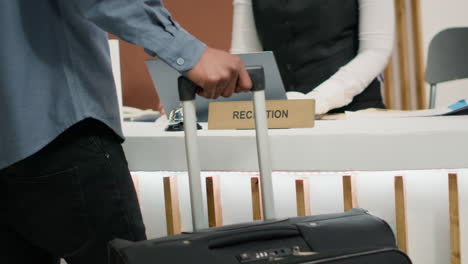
(139, 115)
(452, 109)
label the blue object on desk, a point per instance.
(459, 108)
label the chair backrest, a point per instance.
(448, 56)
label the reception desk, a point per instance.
(421, 150)
(333, 145)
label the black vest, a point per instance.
(311, 40)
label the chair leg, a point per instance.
(432, 97)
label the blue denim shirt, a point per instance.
(55, 64)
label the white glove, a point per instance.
(321, 106)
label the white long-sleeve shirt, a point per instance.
(376, 38)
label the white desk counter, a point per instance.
(333, 145)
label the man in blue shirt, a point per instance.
(65, 188)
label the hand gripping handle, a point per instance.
(188, 89)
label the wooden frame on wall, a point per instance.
(408, 75)
(420, 68)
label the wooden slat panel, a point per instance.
(389, 86)
(257, 209)
(349, 193)
(454, 219)
(402, 49)
(171, 200)
(400, 213)
(418, 53)
(303, 197)
(213, 195)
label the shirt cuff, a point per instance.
(182, 51)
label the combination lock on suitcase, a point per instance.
(353, 237)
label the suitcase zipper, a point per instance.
(353, 255)
(271, 222)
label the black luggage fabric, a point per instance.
(353, 237)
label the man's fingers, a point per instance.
(200, 91)
(221, 87)
(231, 85)
(210, 89)
(206, 92)
(244, 83)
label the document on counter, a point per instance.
(458, 108)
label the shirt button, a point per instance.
(180, 61)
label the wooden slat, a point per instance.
(171, 200)
(303, 197)
(349, 193)
(418, 53)
(402, 49)
(213, 195)
(400, 213)
(389, 86)
(454, 219)
(257, 209)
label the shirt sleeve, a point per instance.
(145, 23)
(376, 40)
(244, 32)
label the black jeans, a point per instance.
(68, 200)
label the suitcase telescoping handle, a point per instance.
(187, 94)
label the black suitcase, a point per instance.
(353, 237)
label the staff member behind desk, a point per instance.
(328, 50)
(65, 188)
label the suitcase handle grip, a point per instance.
(245, 237)
(188, 89)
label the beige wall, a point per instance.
(208, 20)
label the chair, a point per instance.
(447, 59)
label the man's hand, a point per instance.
(219, 74)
